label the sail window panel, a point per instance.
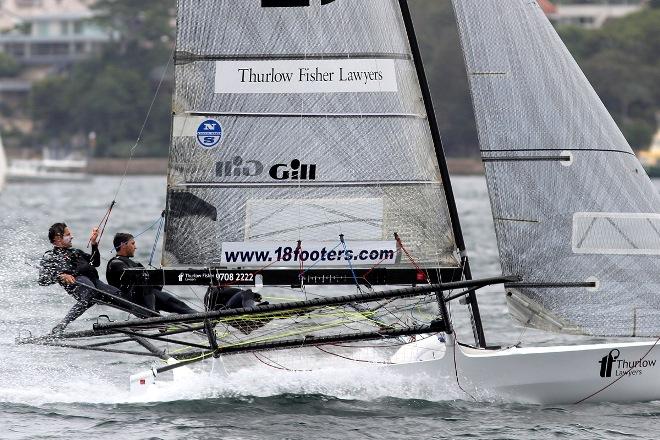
(534, 207)
(195, 92)
(547, 312)
(616, 233)
(244, 28)
(366, 150)
(548, 194)
(193, 237)
(319, 220)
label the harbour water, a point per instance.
(49, 393)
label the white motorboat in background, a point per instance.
(49, 168)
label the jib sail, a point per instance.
(576, 215)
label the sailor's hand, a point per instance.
(67, 279)
(94, 237)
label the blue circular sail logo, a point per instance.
(209, 133)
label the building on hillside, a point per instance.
(651, 158)
(590, 16)
(43, 36)
(547, 6)
(49, 32)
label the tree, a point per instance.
(443, 61)
(621, 62)
(8, 65)
(143, 24)
(112, 93)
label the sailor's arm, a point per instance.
(95, 257)
(47, 272)
(51, 270)
(114, 272)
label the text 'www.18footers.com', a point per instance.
(317, 253)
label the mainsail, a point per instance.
(300, 125)
(576, 216)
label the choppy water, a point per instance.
(57, 393)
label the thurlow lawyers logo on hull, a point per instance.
(612, 364)
(294, 170)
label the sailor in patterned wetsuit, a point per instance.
(74, 270)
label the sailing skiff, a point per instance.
(305, 152)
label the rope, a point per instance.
(102, 224)
(455, 339)
(412, 260)
(458, 382)
(153, 248)
(150, 226)
(301, 268)
(144, 123)
(106, 217)
(350, 264)
(353, 359)
(620, 377)
(318, 261)
(373, 267)
(277, 365)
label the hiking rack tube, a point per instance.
(319, 302)
(55, 343)
(50, 338)
(306, 341)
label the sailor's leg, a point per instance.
(100, 285)
(243, 299)
(81, 292)
(84, 300)
(169, 303)
(103, 287)
(149, 298)
(78, 309)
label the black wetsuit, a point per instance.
(69, 261)
(87, 289)
(219, 298)
(151, 297)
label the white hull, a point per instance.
(18, 176)
(47, 170)
(541, 375)
(537, 375)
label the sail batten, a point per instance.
(310, 115)
(188, 57)
(574, 210)
(299, 184)
(301, 124)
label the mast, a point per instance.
(477, 326)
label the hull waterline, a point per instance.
(613, 372)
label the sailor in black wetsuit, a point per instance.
(74, 270)
(151, 297)
(222, 298)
